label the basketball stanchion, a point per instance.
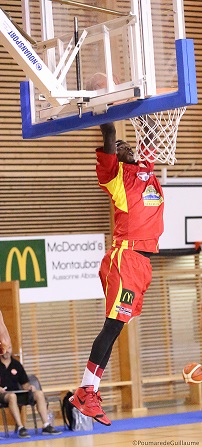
(78, 69)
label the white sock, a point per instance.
(96, 383)
(88, 378)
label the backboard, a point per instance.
(141, 42)
(182, 216)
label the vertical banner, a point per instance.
(53, 268)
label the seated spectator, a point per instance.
(13, 374)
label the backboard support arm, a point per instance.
(32, 65)
(42, 76)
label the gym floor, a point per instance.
(171, 435)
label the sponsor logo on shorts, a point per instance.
(127, 296)
(123, 310)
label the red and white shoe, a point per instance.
(88, 402)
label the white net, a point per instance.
(156, 135)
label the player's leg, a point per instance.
(86, 398)
(99, 372)
(101, 352)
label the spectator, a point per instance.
(13, 374)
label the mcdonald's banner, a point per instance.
(53, 268)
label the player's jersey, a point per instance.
(138, 201)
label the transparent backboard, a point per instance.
(141, 44)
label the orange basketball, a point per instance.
(192, 373)
(99, 80)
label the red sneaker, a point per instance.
(88, 402)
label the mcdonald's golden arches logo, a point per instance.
(127, 296)
(25, 261)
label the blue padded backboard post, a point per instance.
(186, 70)
(185, 95)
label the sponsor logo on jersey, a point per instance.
(144, 176)
(151, 197)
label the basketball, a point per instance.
(99, 80)
(192, 373)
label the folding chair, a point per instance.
(24, 398)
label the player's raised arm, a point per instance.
(109, 137)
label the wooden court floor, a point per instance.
(183, 435)
(180, 435)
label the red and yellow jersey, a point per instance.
(138, 201)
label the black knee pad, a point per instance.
(102, 345)
(113, 327)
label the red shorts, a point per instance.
(125, 276)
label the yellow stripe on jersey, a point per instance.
(112, 257)
(124, 243)
(117, 190)
(113, 313)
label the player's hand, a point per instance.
(5, 341)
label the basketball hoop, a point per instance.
(156, 135)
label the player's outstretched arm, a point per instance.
(109, 137)
(5, 340)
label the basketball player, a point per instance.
(125, 270)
